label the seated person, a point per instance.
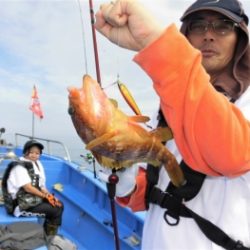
(25, 183)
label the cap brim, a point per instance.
(224, 12)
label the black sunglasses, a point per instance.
(221, 27)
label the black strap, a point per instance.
(194, 181)
(173, 199)
(6, 174)
(152, 173)
(11, 165)
(176, 208)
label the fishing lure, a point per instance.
(128, 98)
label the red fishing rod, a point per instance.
(92, 19)
(113, 178)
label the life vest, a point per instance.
(9, 202)
(172, 199)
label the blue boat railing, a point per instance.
(48, 142)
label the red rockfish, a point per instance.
(115, 139)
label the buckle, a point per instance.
(168, 201)
(162, 197)
(158, 196)
(173, 216)
(238, 245)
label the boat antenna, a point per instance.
(113, 178)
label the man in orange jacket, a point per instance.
(205, 100)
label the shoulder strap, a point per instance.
(11, 165)
(187, 192)
(214, 233)
(194, 181)
(152, 172)
(176, 208)
(29, 166)
(6, 174)
(152, 175)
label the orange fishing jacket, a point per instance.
(212, 134)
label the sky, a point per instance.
(48, 43)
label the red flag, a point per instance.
(35, 104)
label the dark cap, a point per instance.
(229, 8)
(30, 144)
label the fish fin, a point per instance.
(114, 102)
(100, 140)
(163, 133)
(108, 162)
(139, 118)
(113, 164)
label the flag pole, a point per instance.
(33, 125)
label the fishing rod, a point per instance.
(97, 65)
(113, 178)
(122, 88)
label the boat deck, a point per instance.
(87, 219)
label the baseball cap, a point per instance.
(30, 144)
(229, 8)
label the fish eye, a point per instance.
(71, 110)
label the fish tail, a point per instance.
(172, 167)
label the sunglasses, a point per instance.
(221, 27)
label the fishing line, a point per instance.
(118, 57)
(110, 85)
(122, 88)
(83, 37)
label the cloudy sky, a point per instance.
(44, 43)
